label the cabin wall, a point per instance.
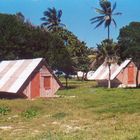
(27, 91)
(104, 83)
(54, 86)
(124, 76)
(49, 92)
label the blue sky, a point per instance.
(76, 15)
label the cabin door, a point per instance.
(35, 86)
(131, 75)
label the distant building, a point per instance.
(123, 75)
(28, 78)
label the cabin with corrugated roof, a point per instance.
(27, 78)
(123, 75)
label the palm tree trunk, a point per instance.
(66, 78)
(108, 31)
(137, 76)
(109, 76)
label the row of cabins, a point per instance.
(31, 78)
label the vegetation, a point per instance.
(52, 19)
(108, 52)
(83, 112)
(4, 110)
(107, 14)
(106, 18)
(129, 41)
(19, 40)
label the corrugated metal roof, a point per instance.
(14, 73)
(102, 72)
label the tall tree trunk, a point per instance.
(108, 31)
(137, 75)
(109, 76)
(77, 77)
(66, 78)
(86, 75)
(83, 77)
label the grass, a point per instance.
(82, 112)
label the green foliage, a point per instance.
(20, 40)
(4, 110)
(52, 19)
(77, 49)
(30, 113)
(106, 15)
(84, 111)
(129, 40)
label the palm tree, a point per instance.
(52, 19)
(108, 51)
(106, 15)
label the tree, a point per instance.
(77, 49)
(52, 19)
(20, 40)
(106, 15)
(107, 52)
(129, 41)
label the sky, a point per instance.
(76, 15)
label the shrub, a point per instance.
(4, 110)
(30, 113)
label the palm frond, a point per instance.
(100, 23)
(99, 11)
(62, 24)
(44, 18)
(44, 24)
(118, 13)
(114, 22)
(105, 5)
(114, 7)
(95, 18)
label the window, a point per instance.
(47, 82)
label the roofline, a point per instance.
(42, 62)
(123, 68)
(51, 71)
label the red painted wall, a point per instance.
(131, 73)
(128, 75)
(35, 86)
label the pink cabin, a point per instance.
(123, 75)
(28, 78)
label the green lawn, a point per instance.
(82, 112)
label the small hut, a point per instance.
(27, 78)
(123, 75)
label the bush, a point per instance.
(30, 113)
(4, 110)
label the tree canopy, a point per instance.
(52, 19)
(106, 15)
(129, 41)
(19, 40)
